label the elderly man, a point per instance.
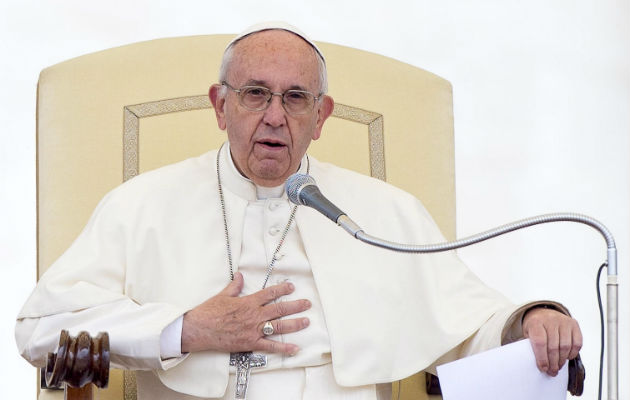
(203, 273)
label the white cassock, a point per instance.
(155, 248)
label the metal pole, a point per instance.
(612, 324)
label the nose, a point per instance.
(275, 115)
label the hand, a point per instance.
(230, 323)
(555, 338)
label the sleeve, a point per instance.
(85, 290)
(135, 334)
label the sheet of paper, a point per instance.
(507, 372)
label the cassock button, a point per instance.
(279, 256)
(274, 230)
(273, 205)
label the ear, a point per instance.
(325, 110)
(218, 103)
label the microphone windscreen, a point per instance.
(295, 183)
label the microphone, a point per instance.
(302, 190)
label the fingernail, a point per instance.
(291, 287)
(294, 351)
(305, 322)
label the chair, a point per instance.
(105, 117)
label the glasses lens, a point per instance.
(254, 97)
(298, 101)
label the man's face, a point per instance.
(267, 146)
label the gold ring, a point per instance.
(267, 329)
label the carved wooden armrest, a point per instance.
(79, 362)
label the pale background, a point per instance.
(541, 97)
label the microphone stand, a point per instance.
(611, 287)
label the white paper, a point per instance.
(507, 372)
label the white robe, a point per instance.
(155, 248)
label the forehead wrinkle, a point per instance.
(262, 51)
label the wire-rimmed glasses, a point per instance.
(258, 98)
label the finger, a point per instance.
(273, 292)
(576, 336)
(565, 344)
(281, 326)
(284, 308)
(271, 346)
(235, 287)
(538, 338)
(553, 350)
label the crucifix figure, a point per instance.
(244, 361)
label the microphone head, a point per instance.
(294, 186)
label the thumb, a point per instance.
(234, 288)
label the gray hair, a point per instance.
(229, 53)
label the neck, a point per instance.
(262, 183)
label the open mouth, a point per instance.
(274, 145)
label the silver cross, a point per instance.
(244, 361)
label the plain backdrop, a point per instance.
(541, 101)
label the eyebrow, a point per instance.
(256, 82)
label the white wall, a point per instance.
(542, 100)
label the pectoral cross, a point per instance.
(243, 362)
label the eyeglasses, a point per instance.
(258, 98)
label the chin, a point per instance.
(271, 171)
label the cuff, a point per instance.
(171, 339)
